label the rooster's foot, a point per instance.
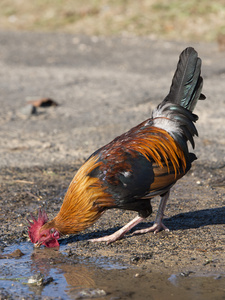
(156, 227)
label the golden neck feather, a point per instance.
(84, 201)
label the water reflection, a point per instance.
(73, 273)
(77, 276)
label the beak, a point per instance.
(37, 245)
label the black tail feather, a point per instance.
(187, 83)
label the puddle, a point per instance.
(96, 277)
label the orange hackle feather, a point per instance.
(159, 146)
(84, 202)
(154, 143)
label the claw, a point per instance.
(155, 228)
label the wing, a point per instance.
(138, 166)
(135, 180)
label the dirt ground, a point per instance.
(103, 87)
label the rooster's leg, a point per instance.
(119, 233)
(158, 224)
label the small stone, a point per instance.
(36, 279)
(17, 253)
(47, 281)
(208, 261)
(39, 280)
(28, 110)
(135, 259)
(90, 294)
(186, 274)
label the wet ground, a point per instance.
(104, 86)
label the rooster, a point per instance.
(136, 166)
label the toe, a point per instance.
(155, 228)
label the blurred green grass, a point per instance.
(200, 20)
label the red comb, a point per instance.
(34, 227)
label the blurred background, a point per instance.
(202, 20)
